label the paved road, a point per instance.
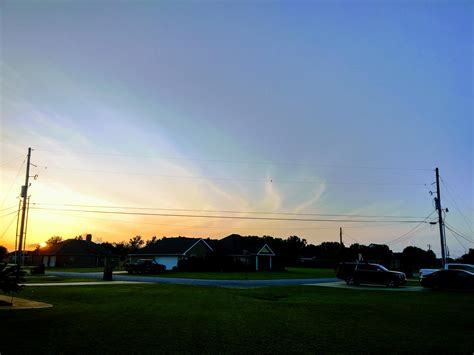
(342, 284)
(197, 282)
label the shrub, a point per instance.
(10, 277)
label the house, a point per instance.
(73, 253)
(250, 253)
(170, 251)
(26, 257)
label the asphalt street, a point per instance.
(195, 282)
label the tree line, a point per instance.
(295, 251)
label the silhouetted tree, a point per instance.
(414, 258)
(10, 278)
(135, 243)
(468, 258)
(153, 240)
(378, 253)
(122, 249)
(54, 240)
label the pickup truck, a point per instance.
(144, 266)
(467, 267)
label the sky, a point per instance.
(301, 109)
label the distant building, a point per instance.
(72, 253)
(249, 253)
(170, 251)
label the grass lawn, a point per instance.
(76, 269)
(153, 318)
(289, 273)
(51, 278)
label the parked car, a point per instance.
(144, 266)
(449, 279)
(452, 266)
(357, 273)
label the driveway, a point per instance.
(195, 282)
(342, 284)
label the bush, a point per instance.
(10, 277)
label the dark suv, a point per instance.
(356, 273)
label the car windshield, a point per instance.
(382, 267)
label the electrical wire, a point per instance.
(8, 227)
(222, 211)
(239, 161)
(459, 234)
(456, 207)
(459, 242)
(218, 178)
(405, 235)
(211, 227)
(222, 217)
(13, 182)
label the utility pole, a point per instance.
(340, 235)
(24, 196)
(440, 221)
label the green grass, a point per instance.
(51, 278)
(289, 273)
(151, 318)
(76, 269)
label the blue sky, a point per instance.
(347, 83)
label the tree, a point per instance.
(292, 249)
(468, 258)
(153, 240)
(379, 253)
(54, 240)
(135, 243)
(10, 277)
(414, 258)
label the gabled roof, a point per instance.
(74, 247)
(235, 244)
(172, 246)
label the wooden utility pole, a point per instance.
(440, 221)
(340, 235)
(24, 196)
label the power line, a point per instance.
(459, 234)
(211, 227)
(227, 161)
(223, 211)
(13, 182)
(11, 161)
(8, 226)
(405, 235)
(456, 206)
(351, 237)
(8, 214)
(222, 217)
(218, 178)
(8, 208)
(459, 242)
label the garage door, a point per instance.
(169, 261)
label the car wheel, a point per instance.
(350, 281)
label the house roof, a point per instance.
(171, 246)
(235, 244)
(74, 247)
